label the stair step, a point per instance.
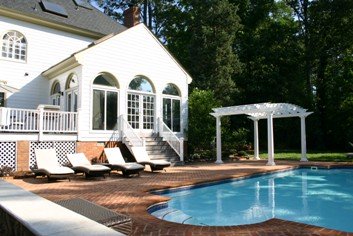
(158, 149)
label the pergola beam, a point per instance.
(259, 111)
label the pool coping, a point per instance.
(163, 204)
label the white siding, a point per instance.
(46, 47)
(133, 52)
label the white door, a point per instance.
(141, 112)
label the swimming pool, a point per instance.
(318, 197)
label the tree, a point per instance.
(331, 26)
(270, 52)
(202, 129)
(116, 8)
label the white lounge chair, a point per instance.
(116, 162)
(142, 158)
(80, 164)
(48, 165)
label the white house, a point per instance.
(75, 80)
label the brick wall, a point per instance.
(22, 155)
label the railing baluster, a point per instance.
(27, 120)
(171, 138)
(130, 134)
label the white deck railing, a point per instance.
(128, 134)
(176, 143)
(37, 121)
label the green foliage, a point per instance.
(314, 156)
(235, 139)
(202, 128)
(250, 51)
(213, 31)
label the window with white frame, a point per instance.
(105, 103)
(141, 104)
(71, 93)
(14, 46)
(171, 107)
(55, 93)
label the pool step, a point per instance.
(174, 215)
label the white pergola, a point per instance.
(262, 111)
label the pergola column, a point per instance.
(219, 140)
(270, 142)
(303, 138)
(256, 139)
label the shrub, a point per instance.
(5, 171)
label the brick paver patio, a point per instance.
(131, 196)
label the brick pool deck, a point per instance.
(131, 196)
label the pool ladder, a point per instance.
(175, 211)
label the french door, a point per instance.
(71, 100)
(141, 111)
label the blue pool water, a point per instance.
(317, 197)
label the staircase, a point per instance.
(165, 147)
(158, 149)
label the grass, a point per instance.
(313, 156)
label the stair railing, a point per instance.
(129, 135)
(176, 143)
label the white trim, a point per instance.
(9, 137)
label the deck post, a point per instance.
(270, 161)
(219, 140)
(303, 139)
(256, 139)
(40, 124)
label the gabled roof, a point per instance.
(92, 21)
(261, 110)
(74, 59)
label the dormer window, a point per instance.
(14, 46)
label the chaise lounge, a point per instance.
(116, 162)
(48, 165)
(80, 164)
(142, 158)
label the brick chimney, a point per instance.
(131, 16)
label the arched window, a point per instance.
(71, 93)
(14, 46)
(171, 89)
(55, 93)
(142, 84)
(171, 107)
(141, 104)
(105, 103)
(72, 81)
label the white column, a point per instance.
(181, 149)
(256, 140)
(40, 124)
(271, 154)
(303, 138)
(219, 140)
(158, 111)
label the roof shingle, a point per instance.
(78, 17)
